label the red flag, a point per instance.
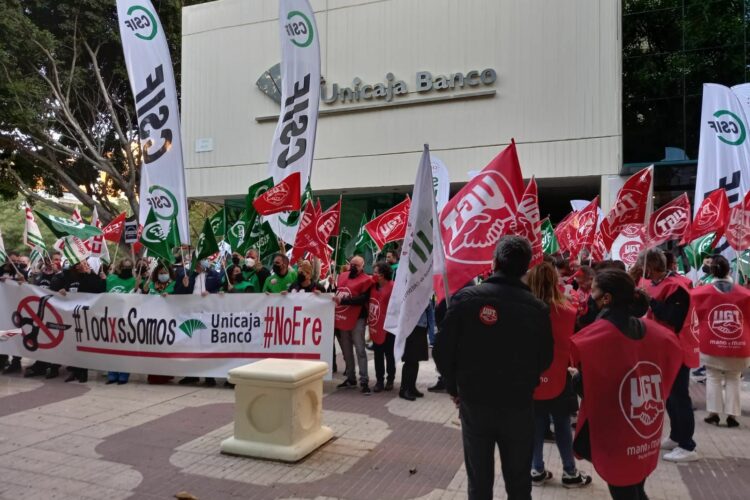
(738, 228)
(563, 234)
(113, 230)
(583, 228)
(528, 223)
(76, 215)
(630, 207)
(138, 246)
(283, 197)
(329, 222)
(598, 252)
(391, 225)
(308, 236)
(473, 220)
(712, 216)
(670, 222)
(629, 244)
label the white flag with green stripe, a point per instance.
(74, 249)
(3, 254)
(32, 237)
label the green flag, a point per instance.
(206, 244)
(699, 249)
(62, 227)
(343, 241)
(266, 242)
(154, 239)
(364, 244)
(217, 223)
(173, 238)
(256, 190)
(550, 244)
(743, 263)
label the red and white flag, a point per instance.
(564, 233)
(308, 238)
(738, 228)
(632, 206)
(113, 230)
(630, 242)
(670, 222)
(329, 222)
(598, 252)
(528, 221)
(583, 228)
(389, 226)
(76, 215)
(96, 244)
(283, 197)
(712, 217)
(477, 216)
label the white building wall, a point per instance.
(558, 90)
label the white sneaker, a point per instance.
(681, 455)
(668, 444)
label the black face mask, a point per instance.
(276, 269)
(705, 269)
(21, 267)
(126, 274)
(353, 272)
(236, 261)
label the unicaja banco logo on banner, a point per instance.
(299, 29)
(729, 128)
(142, 22)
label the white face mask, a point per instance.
(250, 262)
(163, 278)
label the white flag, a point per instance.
(413, 283)
(97, 244)
(724, 152)
(3, 254)
(294, 139)
(32, 237)
(440, 182)
(73, 249)
(152, 82)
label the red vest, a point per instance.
(721, 321)
(346, 316)
(552, 381)
(583, 302)
(377, 308)
(660, 292)
(626, 383)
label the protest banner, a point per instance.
(174, 335)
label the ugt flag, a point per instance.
(152, 82)
(670, 222)
(632, 205)
(294, 139)
(477, 216)
(390, 225)
(412, 288)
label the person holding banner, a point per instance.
(306, 280)
(254, 267)
(236, 282)
(554, 397)
(382, 341)
(624, 368)
(11, 270)
(724, 333)
(121, 281)
(669, 304)
(282, 276)
(162, 280)
(78, 278)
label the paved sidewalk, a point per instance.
(95, 441)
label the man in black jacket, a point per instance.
(494, 343)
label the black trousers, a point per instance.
(512, 431)
(384, 359)
(632, 492)
(680, 411)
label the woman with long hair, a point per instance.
(554, 397)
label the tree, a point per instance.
(67, 121)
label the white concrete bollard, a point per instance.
(277, 412)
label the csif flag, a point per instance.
(527, 223)
(293, 141)
(670, 222)
(712, 216)
(206, 244)
(473, 221)
(549, 240)
(155, 239)
(412, 288)
(283, 197)
(390, 225)
(632, 205)
(218, 222)
(62, 227)
(149, 66)
(738, 228)
(699, 249)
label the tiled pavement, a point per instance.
(138, 441)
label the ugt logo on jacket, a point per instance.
(641, 400)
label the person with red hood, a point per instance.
(382, 341)
(626, 367)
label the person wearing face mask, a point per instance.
(237, 282)
(161, 283)
(624, 367)
(12, 269)
(707, 277)
(254, 267)
(669, 304)
(382, 341)
(78, 278)
(121, 281)
(282, 276)
(352, 294)
(305, 279)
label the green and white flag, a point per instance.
(206, 245)
(413, 286)
(149, 66)
(62, 227)
(218, 223)
(549, 240)
(3, 254)
(267, 242)
(239, 234)
(32, 237)
(341, 244)
(364, 245)
(73, 249)
(699, 249)
(294, 138)
(155, 240)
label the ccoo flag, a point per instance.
(294, 139)
(152, 82)
(412, 288)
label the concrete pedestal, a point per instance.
(277, 411)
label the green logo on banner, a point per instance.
(300, 31)
(153, 233)
(728, 127)
(191, 326)
(162, 202)
(141, 20)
